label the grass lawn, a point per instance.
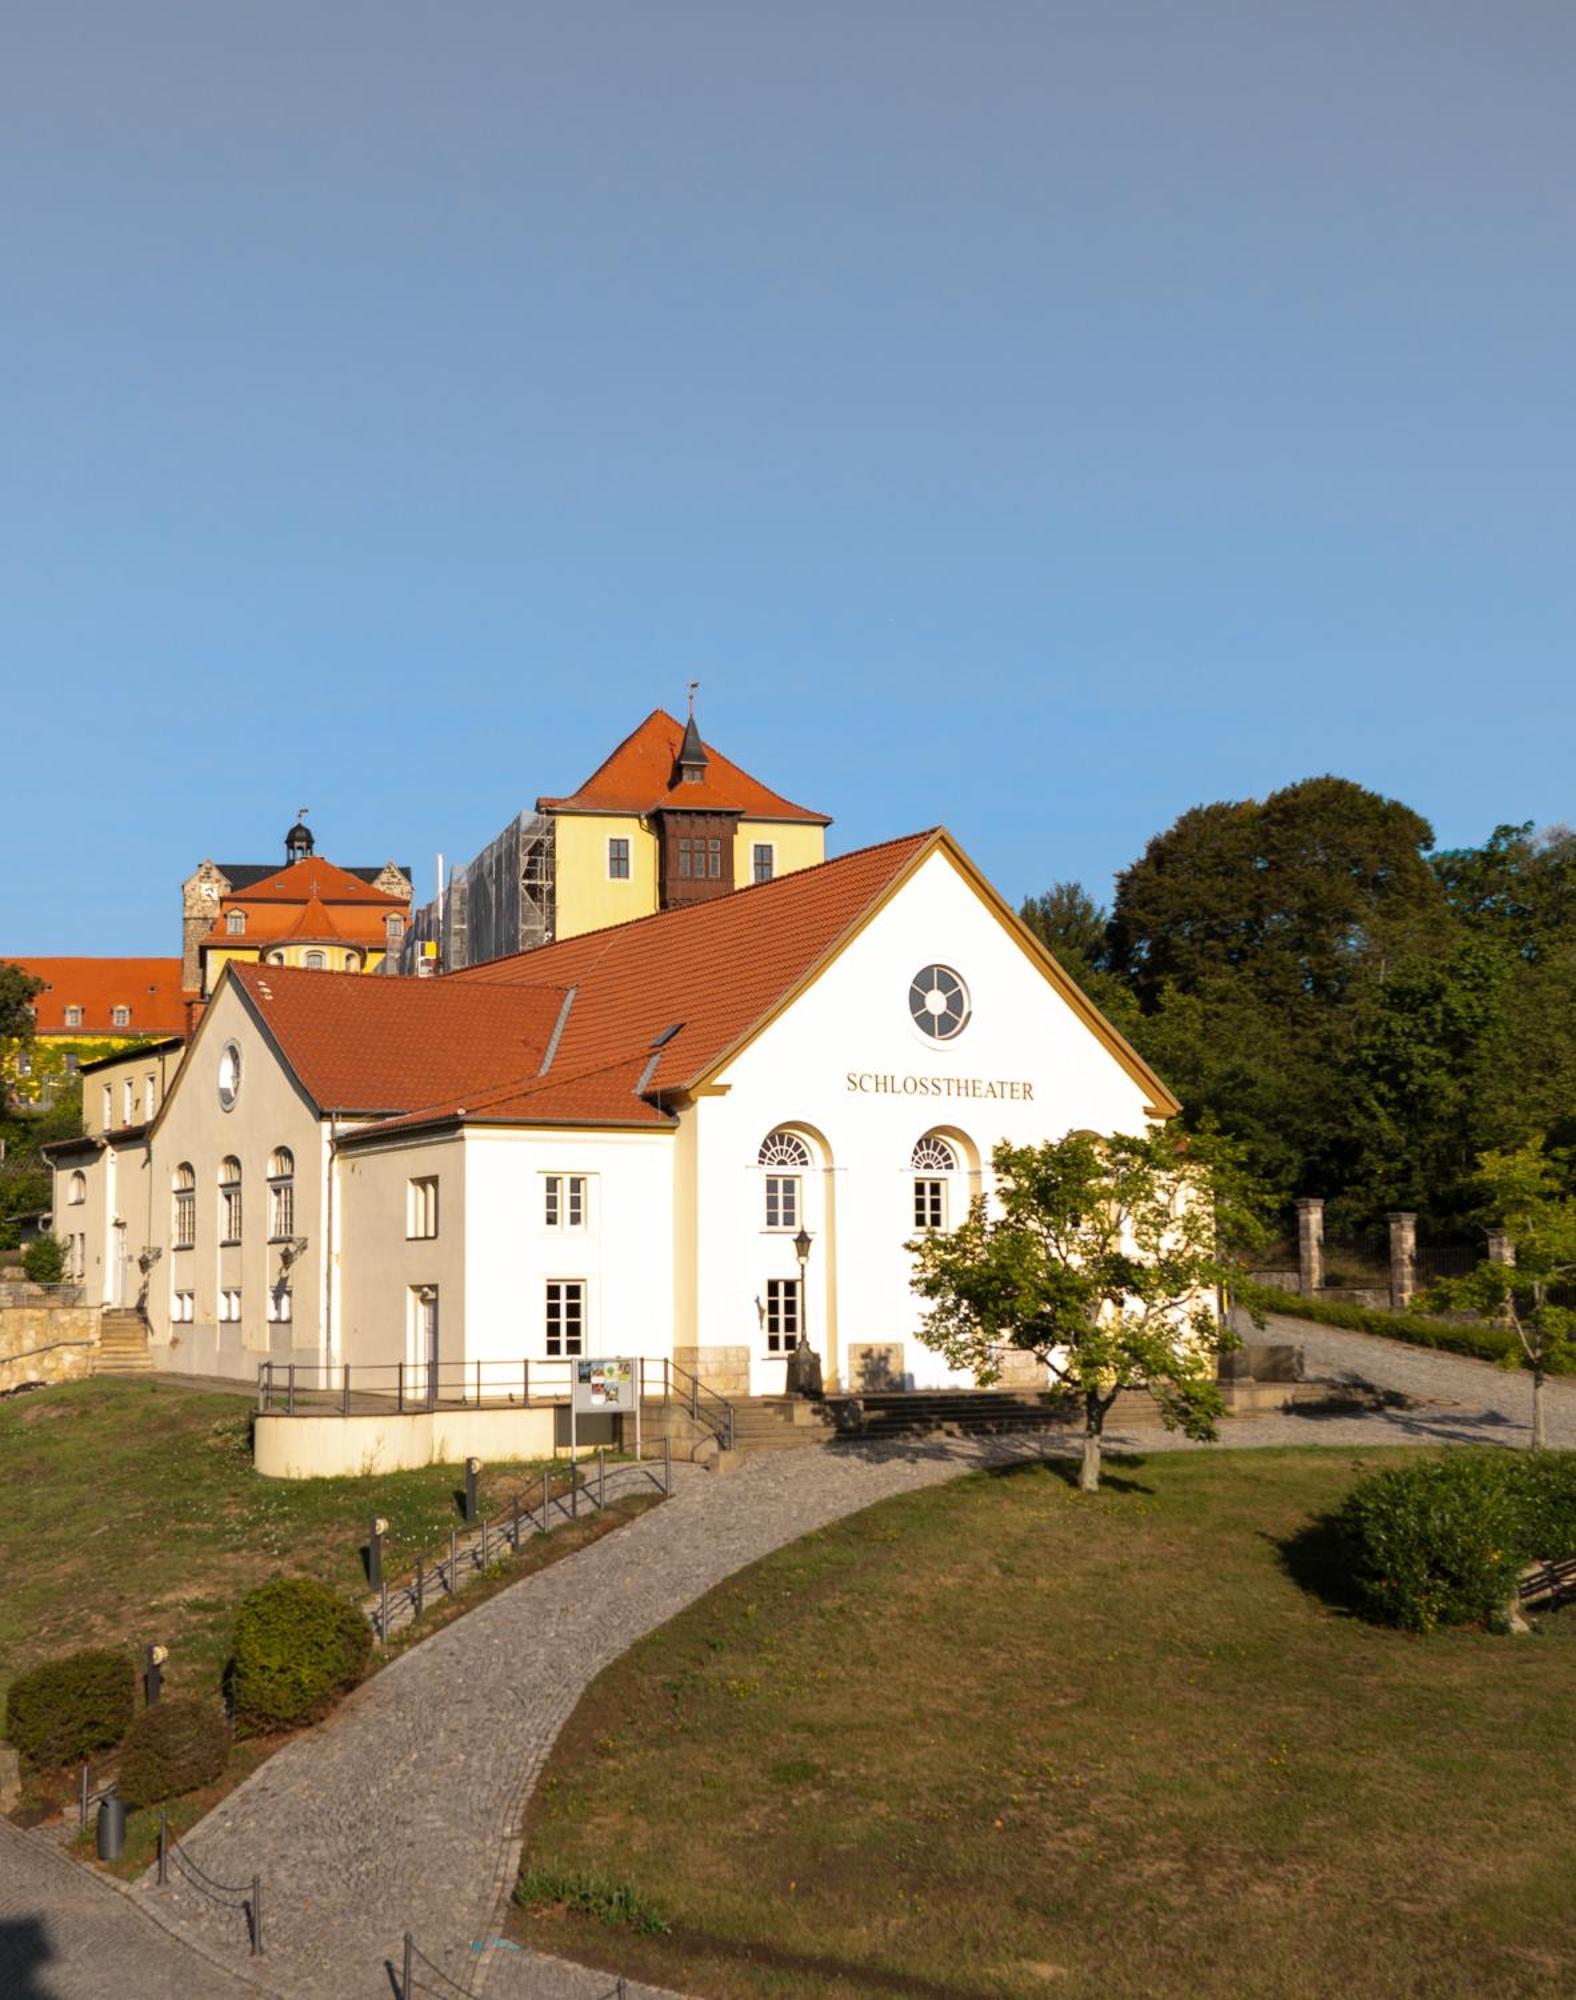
(130, 1513)
(1001, 1739)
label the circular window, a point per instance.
(229, 1075)
(939, 1002)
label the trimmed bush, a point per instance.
(1481, 1341)
(1442, 1542)
(298, 1647)
(171, 1749)
(75, 1707)
(44, 1260)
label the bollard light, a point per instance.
(153, 1678)
(380, 1528)
(473, 1468)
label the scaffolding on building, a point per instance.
(503, 901)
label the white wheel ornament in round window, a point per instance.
(229, 1075)
(939, 1003)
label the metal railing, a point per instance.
(473, 1550)
(245, 1897)
(417, 1974)
(400, 1388)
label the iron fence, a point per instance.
(247, 1897)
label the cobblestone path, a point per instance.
(66, 1934)
(404, 1811)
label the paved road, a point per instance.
(67, 1934)
(405, 1810)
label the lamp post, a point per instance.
(801, 1249)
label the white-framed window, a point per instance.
(566, 1200)
(150, 1097)
(394, 929)
(181, 1307)
(421, 1207)
(783, 1319)
(77, 1189)
(280, 1309)
(183, 1199)
(76, 1258)
(784, 1207)
(72, 1060)
(313, 961)
(73, 1017)
(24, 1063)
(128, 1100)
(109, 1105)
(230, 1200)
(618, 857)
(352, 961)
(933, 1161)
(763, 861)
(565, 1325)
(120, 1017)
(235, 923)
(230, 1305)
(281, 1194)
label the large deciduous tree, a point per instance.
(1104, 1260)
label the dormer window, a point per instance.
(235, 923)
(120, 1017)
(395, 927)
(73, 1017)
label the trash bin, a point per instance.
(111, 1826)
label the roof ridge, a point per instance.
(693, 910)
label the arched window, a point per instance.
(281, 1195)
(77, 1189)
(352, 961)
(314, 961)
(783, 1205)
(183, 1193)
(933, 1161)
(230, 1200)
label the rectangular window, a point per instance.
(73, 1017)
(185, 1218)
(618, 859)
(150, 1098)
(109, 1106)
(229, 1215)
(120, 1017)
(566, 1316)
(181, 1308)
(782, 1314)
(280, 1312)
(128, 1101)
(763, 861)
(782, 1201)
(685, 860)
(564, 1201)
(714, 858)
(421, 1211)
(72, 1060)
(395, 927)
(281, 1210)
(229, 1307)
(930, 1204)
(24, 1063)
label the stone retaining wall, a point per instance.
(41, 1343)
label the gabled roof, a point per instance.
(242, 874)
(642, 776)
(302, 880)
(371, 1046)
(149, 987)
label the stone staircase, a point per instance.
(123, 1343)
(912, 1412)
(780, 1423)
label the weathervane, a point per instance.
(694, 689)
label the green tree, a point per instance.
(1530, 1199)
(17, 989)
(1105, 1263)
(1072, 926)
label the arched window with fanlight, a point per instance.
(934, 1162)
(786, 1158)
(77, 1189)
(281, 1195)
(183, 1200)
(230, 1200)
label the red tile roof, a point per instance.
(361, 1043)
(149, 987)
(303, 880)
(642, 775)
(313, 920)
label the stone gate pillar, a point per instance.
(1403, 1258)
(1500, 1248)
(1310, 1244)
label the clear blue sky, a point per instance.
(1035, 417)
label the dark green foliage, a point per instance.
(1486, 1343)
(17, 989)
(171, 1749)
(44, 1260)
(75, 1707)
(298, 1647)
(1442, 1542)
(614, 1903)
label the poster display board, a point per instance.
(605, 1387)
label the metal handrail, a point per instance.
(705, 1405)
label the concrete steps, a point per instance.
(123, 1343)
(906, 1413)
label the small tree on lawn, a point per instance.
(1527, 1193)
(1105, 1263)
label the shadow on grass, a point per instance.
(1066, 1470)
(1317, 1560)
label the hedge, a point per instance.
(298, 1647)
(171, 1749)
(1474, 1337)
(75, 1707)
(1442, 1542)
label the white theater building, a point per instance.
(689, 1136)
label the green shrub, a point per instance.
(171, 1749)
(298, 1647)
(44, 1260)
(614, 1903)
(75, 1707)
(1483, 1342)
(1441, 1542)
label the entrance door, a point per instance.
(117, 1266)
(426, 1341)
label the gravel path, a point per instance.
(404, 1812)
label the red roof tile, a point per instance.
(303, 880)
(149, 987)
(642, 775)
